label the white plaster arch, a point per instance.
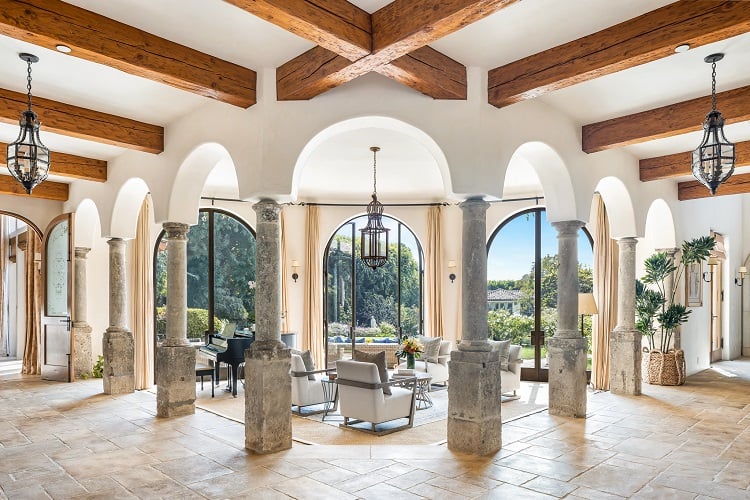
(185, 195)
(659, 229)
(559, 195)
(126, 208)
(370, 121)
(620, 210)
(86, 223)
(26, 220)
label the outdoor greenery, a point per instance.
(656, 310)
(197, 322)
(98, 370)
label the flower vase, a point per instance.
(410, 361)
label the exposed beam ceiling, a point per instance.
(47, 190)
(99, 39)
(667, 121)
(637, 41)
(678, 164)
(398, 29)
(67, 165)
(693, 190)
(73, 121)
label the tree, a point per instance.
(550, 264)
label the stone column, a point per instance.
(118, 345)
(81, 329)
(625, 341)
(474, 420)
(668, 290)
(268, 385)
(175, 358)
(567, 348)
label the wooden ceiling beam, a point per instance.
(667, 121)
(637, 41)
(64, 119)
(679, 164)
(76, 167)
(47, 190)
(102, 40)
(398, 29)
(693, 190)
(335, 25)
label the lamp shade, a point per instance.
(586, 304)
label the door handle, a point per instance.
(67, 322)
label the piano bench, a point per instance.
(203, 370)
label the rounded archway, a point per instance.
(619, 207)
(87, 225)
(659, 231)
(126, 208)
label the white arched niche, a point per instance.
(619, 204)
(86, 224)
(126, 208)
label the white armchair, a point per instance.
(306, 391)
(438, 371)
(361, 397)
(510, 380)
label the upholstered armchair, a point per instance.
(307, 390)
(437, 369)
(510, 365)
(361, 397)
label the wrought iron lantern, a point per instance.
(713, 160)
(374, 240)
(28, 158)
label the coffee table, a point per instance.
(423, 399)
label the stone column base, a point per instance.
(474, 420)
(567, 376)
(268, 397)
(82, 362)
(625, 354)
(118, 347)
(175, 381)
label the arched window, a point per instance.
(371, 305)
(220, 275)
(522, 285)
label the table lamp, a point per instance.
(586, 306)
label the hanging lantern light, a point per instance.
(28, 158)
(374, 240)
(713, 160)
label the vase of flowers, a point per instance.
(410, 349)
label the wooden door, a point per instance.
(717, 296)
(57, 283)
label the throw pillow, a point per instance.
(378, 358)
(514, 353)
(431, 348)
(307, 360)
(503, 347)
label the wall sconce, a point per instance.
(741, 272)
(452, 270)
(295, 266)
(709, 275)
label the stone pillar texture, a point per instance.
(625, 352)
(567, 348)
(474, 413)
(81, 329)
(118, 345)
(175, 358)
(268, 385)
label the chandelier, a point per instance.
(374, 241)
(28, 158)
(713, 160)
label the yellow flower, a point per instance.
(410, 346)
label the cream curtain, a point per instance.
(3, 272)
(434, 268)
(142, 305)
(33, 278)
(312, 324)
(284, 278)
(606, 264)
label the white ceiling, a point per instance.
(340, 167)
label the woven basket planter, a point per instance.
(664, 368)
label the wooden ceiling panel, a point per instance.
(637, 41)
(47, 190)
(83, 123)
(693, 190)
(429, 72)
(104, 41)
(679, 164)
(77, 167)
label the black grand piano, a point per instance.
(229, 349)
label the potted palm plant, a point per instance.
(656, 311)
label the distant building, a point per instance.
(507, 300)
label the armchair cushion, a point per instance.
(503, 347)
(431, 348)
(377, 358)
(307, 360)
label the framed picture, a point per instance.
(694, 285)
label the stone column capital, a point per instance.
(176, 230)
(116, 242)
(567, 228)
(628, 242)
(267, 210)
(81, 252)
(474, 207)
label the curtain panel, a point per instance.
(434, 272)
(33, 283)
(312, 324)
(142, 305)
(606, 263)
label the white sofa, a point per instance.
(510, 378)
(439, 370)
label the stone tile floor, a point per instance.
(71, 441)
